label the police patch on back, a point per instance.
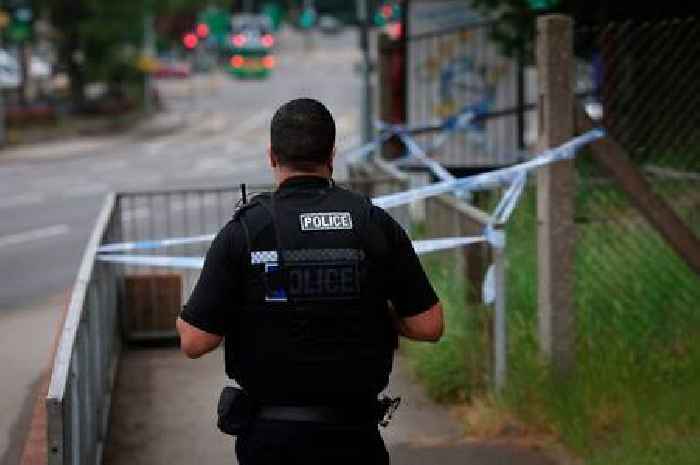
(329, 221)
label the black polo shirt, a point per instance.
(219, 290)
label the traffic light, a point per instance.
(202, 30)
(387, 13)
(541, 5)
(21, 24)
(190, 40)
(307, 17)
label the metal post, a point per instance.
(148, 51)
(3, 132)
(520, 64)
(366, 107)
(500, 324)
(555, 193)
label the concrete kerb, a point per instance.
(160, 124)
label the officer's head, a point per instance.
(302, 137)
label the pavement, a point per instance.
(164, 408)
(29, 333)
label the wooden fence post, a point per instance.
(555, 193)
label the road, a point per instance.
(50, 194)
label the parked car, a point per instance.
(329, 24)
(168, 68)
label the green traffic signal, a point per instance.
(307, 18)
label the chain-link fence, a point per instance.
(636, 301)
(630, 284)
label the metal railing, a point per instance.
(99, 318)
(79, 393)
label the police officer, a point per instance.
(309, 287)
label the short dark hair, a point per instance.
(302, 134)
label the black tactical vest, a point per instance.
(315, 327)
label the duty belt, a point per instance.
(379, 412)
(320, 414)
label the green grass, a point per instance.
(634, 395)
(453, 368)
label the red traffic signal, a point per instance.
(190, 40)
(202, 30)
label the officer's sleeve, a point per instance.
(218, 288)
(408, 287)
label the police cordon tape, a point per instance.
(492, 179)
(460, 121)
(504, 176)
(514, 176)
(155, 244)
(421, 248)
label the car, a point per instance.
(252, 42)
(329, 24)
(167, 68)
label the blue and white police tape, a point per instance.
(421, 247)
(362, 153)
(419, 154)
(194, 263)
(509, 200)
(463, 119)
(459, 121)
(492, 179)
(500, 177)
(155, 244)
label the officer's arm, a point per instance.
(425, 326)
(194, 342)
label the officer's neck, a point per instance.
(282, 173)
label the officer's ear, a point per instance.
(272, 158)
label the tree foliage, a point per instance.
(102, 39)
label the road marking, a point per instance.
(21, 200)
(34, 235)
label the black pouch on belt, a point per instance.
(236, 410)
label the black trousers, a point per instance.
(302, 443)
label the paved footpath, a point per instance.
(26, 338)
(164, 408)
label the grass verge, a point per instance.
(632, 398)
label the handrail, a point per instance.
(58, 439)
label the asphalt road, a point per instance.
(50, 194)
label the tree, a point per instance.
(101, 39)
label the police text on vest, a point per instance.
(325, 221)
